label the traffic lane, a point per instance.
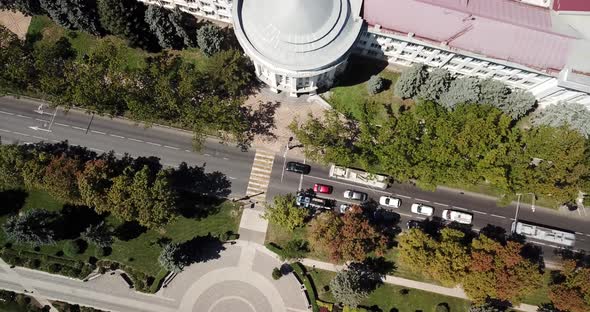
(237, 171)
(105, 125)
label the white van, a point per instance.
(457, 216)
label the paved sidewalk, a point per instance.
(28, 287)
(456, 292)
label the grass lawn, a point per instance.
(350, 94)
(141, 252)
(389, 297)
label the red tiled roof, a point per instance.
(571, 5)
(500, 29)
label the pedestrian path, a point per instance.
(456, 292)
(260, 174)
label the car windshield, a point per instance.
(387, 201)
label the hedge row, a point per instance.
(51, 264)
(141, 281)
(301, 274)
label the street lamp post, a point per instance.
(516, 214)
(533, 203)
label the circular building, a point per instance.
(297, 46)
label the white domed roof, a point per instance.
(296, 34)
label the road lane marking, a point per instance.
(232, 178)
(483, 213)
(20, 133)
(63, 125)
(78, 128)
(22, 116)
(461, 208)
(207, 154)
(97, 132)
(152, 143)
(7, 131)
(421, 200)
(135, 140)
(171, 147)
(440, 204)
(42, 120)
(225, 158)
(117, 136)
(188, 151)
(403, 196)
(497, 216)
(7, 113)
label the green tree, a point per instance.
(493, 92)
(358, 238)
(159, 21)
(409, 82)
(94, 182)
(181, 22)
(34, 227)
(518, 103)
(11, 160)
(97, 82)
(126, 18)
(210, 39)
(573, 115)
(347, 287)
(230, 73)
(100, 235)
(16, 62)
(435, 85)
(74, 14)
(285, 213)
(465, 90)
(52, 61)
(450, 258)
(72, 248)
(27, 7)
(294, 249)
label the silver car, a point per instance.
(355, 195)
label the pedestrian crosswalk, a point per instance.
(260, 174)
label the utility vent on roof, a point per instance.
(411, 34)
(377, 27)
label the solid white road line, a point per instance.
(497, 216)
(60, 124)
(7, 131)
(152, 143)
(422, 200)
(483, 213)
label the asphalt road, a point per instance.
(18, 120)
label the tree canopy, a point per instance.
(284, 213)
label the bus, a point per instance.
(359, 177)
(544, 233)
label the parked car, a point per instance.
(391, 202)
(298, 167)
(457, 216)
(344, 207)
(355, 195)
(322, 188)
(422, 210)
(414, 224)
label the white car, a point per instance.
(422, 210)
(457, 216)
(391, 202)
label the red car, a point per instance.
(322, 188)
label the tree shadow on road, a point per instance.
(200, 193)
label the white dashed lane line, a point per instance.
(155, 144)
(135, 140)
(7, 131)
(6, 113)
(422, 200)
(440, 204)
(62, 125)
(96, 149)
(207, 155)
(78, 128)
(483, 213)
(22, 116)
(97, 132)
(171, 147)
(402, 196)
(497, 216)
(117, 136)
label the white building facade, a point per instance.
(299, 46)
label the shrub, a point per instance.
(375, 84)
(436, 84)
(464, 90)
(442, 307)
(71, 248)
(54, 268)
(294, 249)
(171, 258)
(210, 39)
(276, 273)
(572, 115)
(347, 287)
